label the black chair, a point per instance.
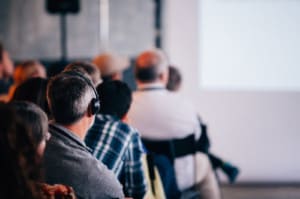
(159, 151)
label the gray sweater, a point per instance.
(68, 161)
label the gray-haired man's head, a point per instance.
(69, 98)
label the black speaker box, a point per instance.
(62, 6)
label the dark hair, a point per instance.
(33, 90)
(107, 78)
(146, 74)
(35, 117)
(150, 64)
(115, 98)
(174, 80)
(20, 165)
(68, 97)
(86, 68)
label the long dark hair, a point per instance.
(19, 161)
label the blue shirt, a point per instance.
(119, 147)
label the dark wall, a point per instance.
(27, 31)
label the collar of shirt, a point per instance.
(151, 86)
(106, 117)
(65, 134)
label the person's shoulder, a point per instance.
(130, 134)
(183, 99)
(101, 180)
(135, 95)
(127, 128)
(97, 179)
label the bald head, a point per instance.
(111, 65)
(151, 66)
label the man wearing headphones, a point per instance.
(74, 102)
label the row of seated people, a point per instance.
(84, 139)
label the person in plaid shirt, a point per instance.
(114, 142)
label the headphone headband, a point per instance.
(95, 103)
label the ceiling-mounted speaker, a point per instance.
(62, 6)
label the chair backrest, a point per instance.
(172, 148)
(162, 154)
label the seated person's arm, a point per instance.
(133, 170)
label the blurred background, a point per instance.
(239, 59)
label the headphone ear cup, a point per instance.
(95, 106)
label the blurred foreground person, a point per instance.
(174, 84)
(114, 142)
(6, 72)
(161, 115)
(111, 66)
(23, 135)
(73, 102)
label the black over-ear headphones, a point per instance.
(95, 103)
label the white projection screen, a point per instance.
(249, 45)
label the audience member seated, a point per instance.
(161, 115)
(174, 84)
(114, 142)
(111, 66)
(33, 90)
(86, 68)
(74, 102)
(23, 135)
(6, 71)
(174, 79)
(24, 71)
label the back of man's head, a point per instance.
(111, 65)
(69, 97)
(150, 65)
(86, 68)
(115, 97)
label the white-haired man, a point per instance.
(162, 115)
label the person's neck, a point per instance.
(79, 128)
